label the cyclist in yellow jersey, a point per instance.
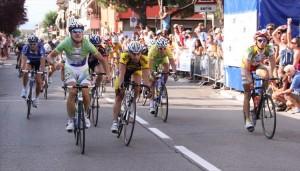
(160, 55)
(132, 66)
(114, 55)
(259, 58)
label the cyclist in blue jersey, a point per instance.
(32, 58)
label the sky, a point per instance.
(36, 10)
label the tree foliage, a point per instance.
(49, 19)
(12, 14)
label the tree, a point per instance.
(16, 33)
(12, 14)
(139, 6)
(49, 19)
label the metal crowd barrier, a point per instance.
(209, 68)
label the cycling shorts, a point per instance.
(79, 75)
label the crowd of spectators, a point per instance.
(5, 46)
(286, 48)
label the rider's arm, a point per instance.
(274, 35)
(122, 70)
(51, 56)
(171, 59)
(103, 61)
(289, 32)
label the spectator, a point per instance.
(292, 95)
(293, 44)
(166, 20)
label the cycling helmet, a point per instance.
(135, 47)
(33, 39)
(115, 39)
(95, 39)
(260, 33)
(162, 42)
(151, 42)
(75, 25)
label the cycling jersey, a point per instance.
(76, 66)
(33, 56)
(92, 61)
(132, 68)
(256, 60)
(76, 57)
(115, 53)
(255, 57)
(159, 58)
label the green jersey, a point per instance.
(76, 56)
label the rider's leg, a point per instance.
(99, 69)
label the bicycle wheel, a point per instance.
(164, 104)
(29, 101)
(130, 115)
(95, 107)
(121, 118)
(80, 128)
(46, 90)
(268, 116)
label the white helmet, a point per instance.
(162, 42)
(115, 39)
(135, 47)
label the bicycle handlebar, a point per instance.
(37, 72)
(78, 86)
(99, 74)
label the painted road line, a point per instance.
(110, 100)
(141, 120)
(159, 133)
(197, 159)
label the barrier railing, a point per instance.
(210, 68)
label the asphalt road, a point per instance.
(204, 132)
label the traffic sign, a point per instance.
(133, 21)
(205, 8)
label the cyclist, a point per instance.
(257, 58)
(93, 62)
(77, 48)
(114, 54)
(33, 57)
(160, 54)
(133, 66)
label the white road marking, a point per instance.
(199, 160)
(141, 120)
(159, 133)
(110, 100)
(286, 114)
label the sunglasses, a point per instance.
(32, 44)
(270, 29)
(162, 48)
(294, 42)
(77, 31)
(262, 40)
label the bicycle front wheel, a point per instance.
(46, 90)
(268, 116)
(164, 104)
(129, 123)
(81, 128)
(29, 102)
(95, 107)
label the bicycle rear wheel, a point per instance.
(130, 115)
(164, 104)
(268, 116)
